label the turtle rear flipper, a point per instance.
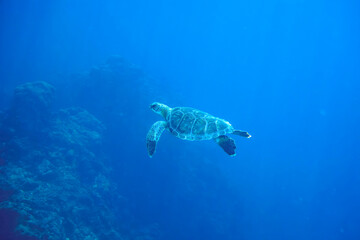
(241, 133)
(153, 136)
(227, 144)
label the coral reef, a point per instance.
(59, 179)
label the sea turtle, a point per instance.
(191, 124)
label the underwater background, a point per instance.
(76, 81)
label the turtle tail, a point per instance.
(241, 133)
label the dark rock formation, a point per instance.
(31, 108)
(118, 94)
(59, 180)
(118, 88)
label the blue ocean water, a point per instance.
(285, 71)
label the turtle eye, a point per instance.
(154, 107)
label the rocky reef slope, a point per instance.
(54, 169)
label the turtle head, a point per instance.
(160, 108)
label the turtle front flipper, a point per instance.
(227, 144)
(153, 136)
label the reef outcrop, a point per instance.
(30, 108)
(54, 168)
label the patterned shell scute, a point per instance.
(175, 117)
(211, 127)
(191, 124)
(222, 126)
(199, 127)
(186, 123)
